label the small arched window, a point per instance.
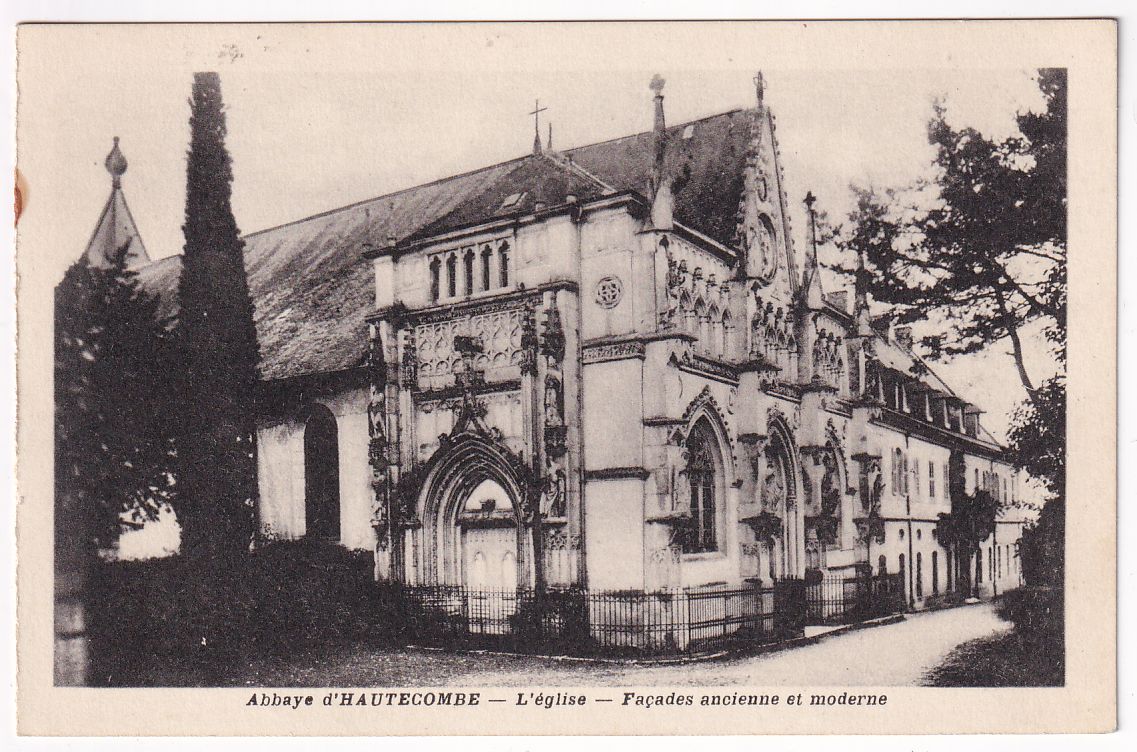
(882, 565)
(503, 263)
(935, 573)
(435, 278)
(451, 275)
(702, 475)
(468, 270)
(919, 575)
(487, 280)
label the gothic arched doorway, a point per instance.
(321, 474)
(472, 530)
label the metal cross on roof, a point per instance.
(536, 113)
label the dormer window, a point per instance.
(512, 201)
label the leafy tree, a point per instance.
(983, 246)
(113, 431)
(982, 249)
(218, 345)
(970, 522)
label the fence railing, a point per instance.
(842, 600)
(586, 622)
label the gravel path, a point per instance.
(890, 655)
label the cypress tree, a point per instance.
(218, 347)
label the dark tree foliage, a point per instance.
(988, 258)
(970, 522)
(218, 346)
(114, 448)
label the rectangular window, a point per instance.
(931, 479)
(947, 481)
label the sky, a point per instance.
(320, 120)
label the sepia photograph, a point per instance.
(369, 373)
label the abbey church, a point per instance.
(606, 367)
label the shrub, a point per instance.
(1038, 614)
(169, 621)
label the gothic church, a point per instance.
(606, 367)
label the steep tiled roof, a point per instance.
(312, 290)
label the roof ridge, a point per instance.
(647, 132)
(474, 171)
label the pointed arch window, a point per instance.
(487, 278)
(503, 263)
(468, 270)
(703, 476)
(451, 275)
(435, 279)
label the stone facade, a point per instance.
(589, 392)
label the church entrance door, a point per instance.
(488, 538)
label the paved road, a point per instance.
(891, 655)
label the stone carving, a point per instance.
(499, 331)
(553, 343)
(609, 292)
(617, 351)
(409, 365)
(827, 358)
(528, 342)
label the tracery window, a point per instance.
(702, 469)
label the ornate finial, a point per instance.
(760, 86)
(536, 113)
(810, 199)
(656, 85)
(115, 163)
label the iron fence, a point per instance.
(587, 622)
(842, 600)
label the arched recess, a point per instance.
(780, 493)
(448, 503)
(321, 474)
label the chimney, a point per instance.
(903, 336)
(662, 202)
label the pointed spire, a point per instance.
(759, 87)
(116, 227)
(811, 277)
(549, 143)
